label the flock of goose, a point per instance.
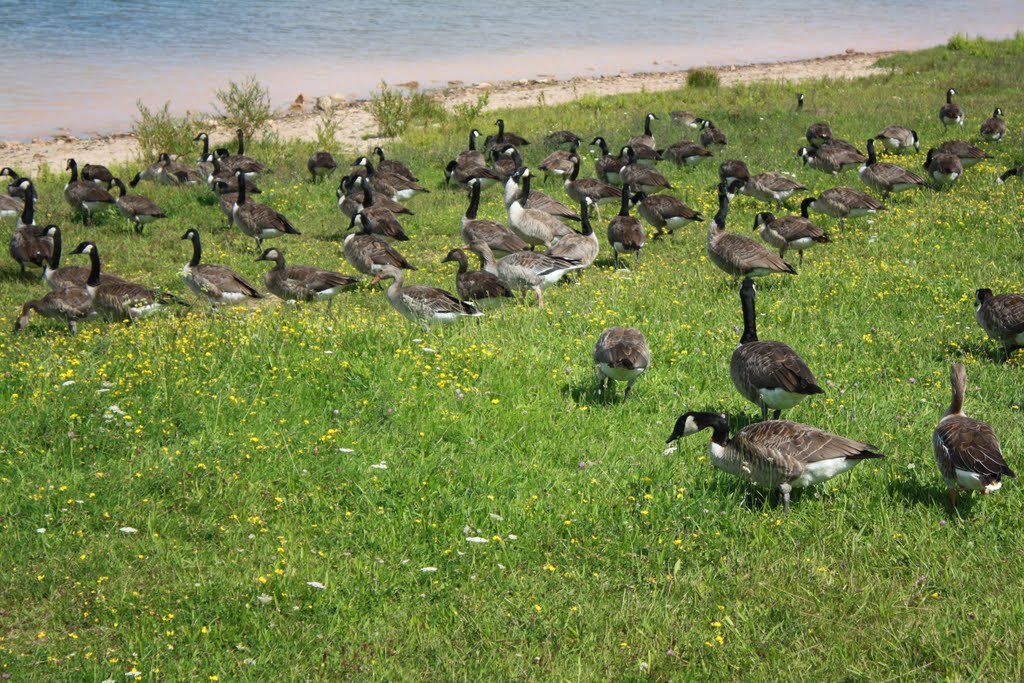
(775, 454)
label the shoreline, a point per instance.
(356, 125)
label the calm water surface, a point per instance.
(82, 65)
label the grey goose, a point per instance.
(951, 112)
(647, 139)
(422, 304)
(29, 244)
(968, 154)
(776, 454)
(1002, 317)
(395, 186)
(582, 246)
(597, 191)
(58, 277)
(85, 196)
(791, 232)
(259, 221)
(121, 300)
(664, 212)
(368, 253)
(818, 134)
(685, 153)
(393, 166)
(607, 166)
(769, 374)
(682, 117)
(899, 139)
(967, 451)
(534, 226)
(737, 254)
(639, 177)
(302, 283)
(384, 222)
(844, 202)
(478, 286)
(218, 284)
(498, 237)
(993, 128)
(524, 270)
(69, 304)
(137, 208)
(943, 168)
(884, 177)
(771, 187)
(621, 354)
(320, 164)
(625, 233)
(711, 136)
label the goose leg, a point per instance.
(764, 412)
(777, 414)
(951, 492)
(629, 387)
(540, 297)
(785, 489)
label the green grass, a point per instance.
(241, 445)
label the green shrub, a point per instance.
(702, 78)
(465, 111)
(326, 131)
(244, 105)
(158, 130)
(389, 109)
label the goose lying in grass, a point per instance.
(422, 304)
(302, 283)
(121, 300)
(899, 139)
(217, 283)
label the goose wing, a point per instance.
(790, 446)
(963, 443)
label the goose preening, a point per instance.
(320, 165)
(993, 128)
(664, 212)
(368, 253)
(899, 139)
(737, 254)
(138, 209)
(943, 168)
(560, 162)
(845, 202)
(776, 454)
(506, 160)
(620, 355)
(393, 166)
(58, 277)
(769, 374)
(710, 136)
(302, 283)
(29, 244)
(686, 153)
(97, 173)
(951, 112)
(121, 300)
(562, 137)
(967, 451)
(534, 226)
(259, 221)
(647, 139)
(597, 191)
(625, 233)
(731, 170)
(219, 284)
(831, 158)
(818, 134)
(524, 270)
(478, 286)
(352, 197)
(881, 176)
(583, 246)
(640, 177)
(422, 304)
(607, 166)
(498, 237)
(771, 187)
(395, 186)
(968, 154)
(790, 232)
(85, 196)
(1002, 317)
(69, 304)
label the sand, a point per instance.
(356, 129)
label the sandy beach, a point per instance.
(357, 129)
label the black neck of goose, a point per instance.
(58, 244)
(723, 209)
(241, 142)
(370, 170)
(720, 430)
(624, 204)
(501, 130)
(575, 146)
(872, 159)
(241, 188)
(28, 212)
(575, 168)
(747, 296)
(1010, 172)
(460, 258)
(367, 194)
(647, 125)
(94, 272)
(805, 207)
(74, 170)
(206, 146)
(585, 228)
(197, 250)
(525, 196)
(216, 165)
(472, 140)
(116, 182)
(474, 200)
(949, 96)
(603, 145)
(380, 153)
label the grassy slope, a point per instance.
(606, 558)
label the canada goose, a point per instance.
(534, 226)
(790, 232)
(478, 286)
(597, 191)
(368, 253)
(885, 177)
(844, 202)
(968, 154)
(639, 177)
(422, 304)
(352, 198)
(68, 276)
(710, 136)
(167, 171)
(943, 168)
(505, 161)
(769, 374)
(121, 300)
(137, 208)
(647, 139)
(951, 112)
(620, 355)
(682, 117)
(560, 162)
(320, 165)
(14, 187)
(686, 153)
(799, 101)
(993, 129)
(397, 187)
(393, 166)
(1016, 171)
(732, 170)
(10, 207)
(226, 200)
(231, 179)
(899, 139)
(302, 283)
(818, 134)
(967, 451)
(561, 137)
(771, 187)
(241, 162)
(737, 254)
(97, 173)
(607, 167)
(384, 222)
(1002, 317)
(69, 304)
(524, 270)
(219, 284)
(832, 159)
(582, 246)
(663, 211)
(463, 175)
(205, 139)
(83, 195)
(28, 244)
(472, 156)
(776, 454)
(498, 237)
(625, 233)
(505, 136)
(256, 220)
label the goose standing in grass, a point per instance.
(845, 202)
(899, 139)
(368, 253)
(28, 244)
(393, 166)
(471, 157)
(776, 454)
(85, 196)
(951, 112)
(710, 136)
(620, 355)
(640, 177)
(790, 232)
(219, 284)
(582, 246)
(422, 304)
(138, 209)
(498, 237)
(686, 153)
(625, 233)
(737, 254)
(395, 186)
(259, 221)
(352, 198)
(598, 192)
(647, 139)
(241, 162)
(320, 165)
(731, 170)
(560, 162)
(69, 304)
(968, 154)
(769, 374)
(684, 117)
(58, 277)
(887, 178)
(944, 169)
(664, 212)
(967, 451)
(993, 128)
(818, 134)
(505, 136)
(831, 158)
(1002, 317)
(524, 270)
(121, 300)
(478, 286)
(537, 200)
(302, 283)
(771, 187)
(607, 166)
(384, 222)
(533, 225)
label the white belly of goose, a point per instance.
(973, 481)
(802, 243)
(823, 470)
(780, 399)
(619, 374)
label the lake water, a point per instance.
(81, 65)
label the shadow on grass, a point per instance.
(912, 491)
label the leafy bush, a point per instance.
(464, 111)
(158, 130)
(326, 131)
(244, 105)
(702, 78)
(394, 111)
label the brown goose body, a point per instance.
(560, 162)
(739, 255)
(993, 128)
(899, 139)
(640, 177)
(138, 209)
(28, 244)
(664, 212)
(732, 170)
(844, 202)
(85, 196)
(476, 285)
(790, 232)
(582, 247)
(395, 186)
(259, 221)
(393, 166)
(382, 220)
(771, 187)
(831, 158)
(302, 283)
(217, 283)
(597, 191)
(121, 300)
(887, 178)
(711, 136)
(607, 166)
(498, 237)
(968, 154)
(320, 165)
(525, 270)
(621, 354)
(368, 253)
(68, 304)
(951, 112)
(58, 277)
(686, 153)
(1002, 317)
(534, 225)
(625, 233)
(422, 304)
(942, 168)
